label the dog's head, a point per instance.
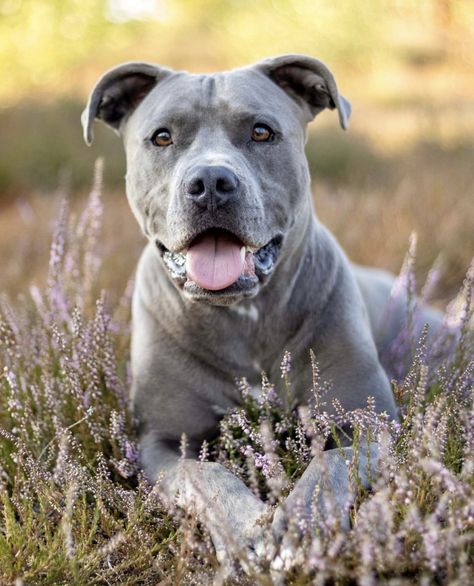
(216, 172)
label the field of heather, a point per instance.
(76, 508)
(396, 190)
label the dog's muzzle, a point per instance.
(217, 267)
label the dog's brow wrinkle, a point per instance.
(209, 86)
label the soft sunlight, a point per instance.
(124, 10)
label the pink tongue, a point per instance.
(214, 260)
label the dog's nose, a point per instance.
(212, 186)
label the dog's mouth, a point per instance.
(217, 263)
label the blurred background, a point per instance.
(407, 162)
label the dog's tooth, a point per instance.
(179, 259)
(242, 253)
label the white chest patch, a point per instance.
(250, 312)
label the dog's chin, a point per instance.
(246, 286)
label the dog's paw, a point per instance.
(235, 550)
(250, 546)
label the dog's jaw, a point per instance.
(258, 266)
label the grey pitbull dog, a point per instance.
(237, 269)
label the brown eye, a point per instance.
(162, 138)
(262, 133)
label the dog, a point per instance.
(237, 270)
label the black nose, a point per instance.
(212, 186)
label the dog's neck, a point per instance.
(261, 327)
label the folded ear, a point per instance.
(118, 92)
(309, 82)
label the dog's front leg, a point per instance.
(171, 399)
(348, 358)
(326, 489)
(325, 486)
(233, 515)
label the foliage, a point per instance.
(76, 509)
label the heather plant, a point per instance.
(76, 509)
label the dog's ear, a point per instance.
(118, 92)
(309, 82)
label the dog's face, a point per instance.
(216, 172)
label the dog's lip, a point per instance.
(181, 247)
(244, 286)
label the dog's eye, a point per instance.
(262, 133)
(162, 138)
